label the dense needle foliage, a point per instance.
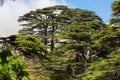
(62, 43)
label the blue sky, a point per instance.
(101, 7)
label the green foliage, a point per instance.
(48, 24)
(60, 77)
(79, 34)
(99, 68)
(83, 30)
(80, 15)
(115, 21)
(114, 61)
(11, 68)
(106, 40)
(115, 8)
(30, 46)
(45, 21)
(95, 69)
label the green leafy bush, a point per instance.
(11, 68)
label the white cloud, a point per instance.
(10, 12)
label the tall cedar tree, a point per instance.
(79, 32)
(43, 22)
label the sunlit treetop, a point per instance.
(116, 8)
(115, 21)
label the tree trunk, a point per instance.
(45, 33)
(52, 38)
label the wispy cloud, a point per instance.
(10, 12)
